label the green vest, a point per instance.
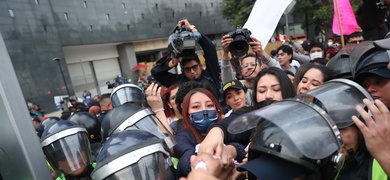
(62, 176)
(377, 172)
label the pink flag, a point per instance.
(347, 18)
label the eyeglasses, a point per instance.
(336, 45)
(198, 117)
(194, 68)
(246, 65)
(356, 42)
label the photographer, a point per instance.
(259, 58)
(190, 64)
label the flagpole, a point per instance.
(339, 21)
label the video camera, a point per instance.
(117, 81)
(239, 46)
(182, 43)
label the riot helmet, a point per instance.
(374, 63)
(370, 57)
(339, 98)
(127, 93)
(339, 64)
(132, 116)
(90, 123)
(66, 147)
(304, 142)
(44, 124)
(133, 154)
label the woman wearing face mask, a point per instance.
(271, 84)
(200, 109)
(313, 76)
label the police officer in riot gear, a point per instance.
(339, 98)
(128, 93)
(66, 147)
(288, 146)
(132, 116)
(339, 64)
(92, 125)
(133, 154)
(44, 124)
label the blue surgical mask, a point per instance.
(202, 120)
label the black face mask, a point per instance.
(262, 104)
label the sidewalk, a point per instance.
(56, 114)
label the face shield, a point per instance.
(68, 151)
(145, 119)
(133, 154)
(306, 128)
(339, 98)
(126, 93)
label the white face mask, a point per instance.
(316, 55)
(330, 44)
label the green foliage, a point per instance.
(320, 12)
(236, 11)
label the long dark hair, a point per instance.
(327, 74)
(186, 116)
(288, 90)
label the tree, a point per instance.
(320, 13)
(237, 11)
(317, 12)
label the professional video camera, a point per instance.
(119, 80)
(182, 43)
(239, 46)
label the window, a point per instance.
(66, 16)
(159, 24)
(85, 4)
(108, 16)
(143, 15)
(185, 5)
(36, 1)
(212, 4)
(90, 28)
(123, 6)
(173, 14)
(156, 6)
(11, 12)
(200, 13)
(45, 28)
(128, 27)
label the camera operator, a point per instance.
(190, 64)
(259, 58)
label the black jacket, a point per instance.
(209, 76)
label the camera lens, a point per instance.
(239, 47)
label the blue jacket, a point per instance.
(184, 149)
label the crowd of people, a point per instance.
(306, 111)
